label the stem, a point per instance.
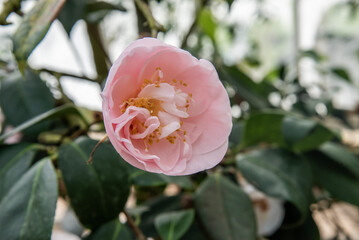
(94, 149)
(63, 74)
(146, 11)
(8, 7)
(100, 56)
(199, 4)
(296, 22)
(138, 233)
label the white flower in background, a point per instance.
(269, 211)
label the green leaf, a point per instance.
(255, 93)
(27, 211)
(342, 156)
(295, 129)
(154, 207)
(96, 11)
(280, 174)
(303, 134)
(33, 29)
(98, 191)
(173, 225)
(56, 112)
(147, 179)
(72, 11)
(207, 23)
(236, 135)
(314, 139)
(335, 177)
(225, 210)
(14, 161)
(22, 99)
(263, 127)
(308, 231)
(341, 73)
(113, 230)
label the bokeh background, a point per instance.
(290, 68)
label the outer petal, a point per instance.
(215, 123)
(205, 161)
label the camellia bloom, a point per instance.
(166, 111)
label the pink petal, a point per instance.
(215, 123)
(205, 161)
(164, 92)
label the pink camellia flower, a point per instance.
(166, 111)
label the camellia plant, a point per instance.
(189, 144)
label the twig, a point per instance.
(94, 149)
(146, 11)
(63, 74)
(138, 233)
(199, 4)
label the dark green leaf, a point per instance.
(96, 11)
(263, 127)
(113, 230)
(56, 112)
(207, 23)
(342, 156)
(33, 29)
(27, 211)
(147, 179)
(98, 191)
(295, 129)
(280, 174)
(173, 225)
(314, 139)
(155, 207)
(255, 93)
(22, 99)
(308, 231)
(332, 175)
(236, 135)
(225, 210)
(342, 73)
(14, 161)
(72, 11)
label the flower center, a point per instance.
(164, 100)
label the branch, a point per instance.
(138, 233)
(146, 11)
(63, 74)
(199, 4)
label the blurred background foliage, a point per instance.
(292, 169)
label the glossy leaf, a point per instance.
(263, 127)
(304, 134)
(335, 177)
(14, 161)
(255, 93)
(33, 29)
(22, 99)
(56, 112)
(341, 73)
(98, 191)
(113, 230)
(72, 11)
(207, 23)
(280, 174)
(173, 225)
(307, 230)
(225, 210)
(153, 208)
(27, 211)
(147, 179)
(342, 156)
